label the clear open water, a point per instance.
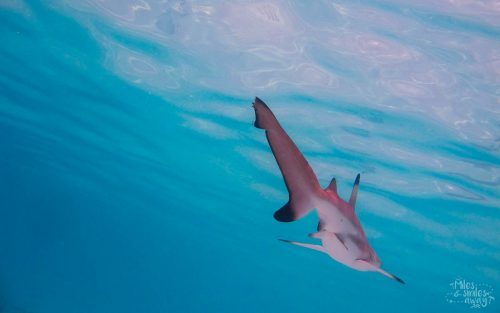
(132, 179)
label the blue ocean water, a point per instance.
(133, 180)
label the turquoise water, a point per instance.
(132, 179)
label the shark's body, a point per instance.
(339, 229)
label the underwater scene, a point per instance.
(178, 156)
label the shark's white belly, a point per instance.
(347, 244)
(333, 219)
(337, 251)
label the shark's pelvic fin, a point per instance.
(320, 226)
(305, 245)
(341, 241)
(300, 180)
(354, 193)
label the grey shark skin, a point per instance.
(339, 228)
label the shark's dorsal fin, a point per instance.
(354, 193)
(332, 186)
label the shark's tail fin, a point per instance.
(264, 117)
(391, 276)
(301, 182)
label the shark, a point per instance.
(339, 229)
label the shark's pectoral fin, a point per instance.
(317, 235)
(391, 276)
(305, 245)
(381, 271)
(322, 233)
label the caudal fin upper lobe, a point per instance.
(299, 177)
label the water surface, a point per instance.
(132, 179)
